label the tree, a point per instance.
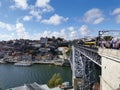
(107, 38)
(58, 81)
(68, 52)
(55, 80)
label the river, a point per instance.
(13, 76)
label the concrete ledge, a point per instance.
(111, 53)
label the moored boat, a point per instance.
(23, 63)
(2, 61)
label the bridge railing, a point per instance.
(90, 48)
(90, 52)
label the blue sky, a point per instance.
(69, 19)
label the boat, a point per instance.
(2, 61)
(23, 63)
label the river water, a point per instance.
(13, 76)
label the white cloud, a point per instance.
(66, 33)
(94, 16)
(27, 18)
(54, 20)
(84, 30)
(116, 11)
(7, 36)
(35, 11)
(71, 28)
(21, 32)
(99, 20)
(22, 4)
(73, 35)
(42, 3)
(36, 36)
(45, 5)
(63, 34)
(72, 32)
(20, 28)
(7, 26)
(17, 31)
(36, 14)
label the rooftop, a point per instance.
(34, 86)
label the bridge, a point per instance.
(93, 65)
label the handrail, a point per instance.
(93, 49)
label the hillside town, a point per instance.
(34, 50)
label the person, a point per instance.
(116, 43)
(113, 44)
(103, 44)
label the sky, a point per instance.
(69, 19)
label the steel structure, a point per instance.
(83, 61)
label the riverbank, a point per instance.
(48, 62)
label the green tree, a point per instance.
(55, 80)
(51, 83)
(68, 52)
(107, 38)
(58, 81)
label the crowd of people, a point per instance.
(114, 43)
